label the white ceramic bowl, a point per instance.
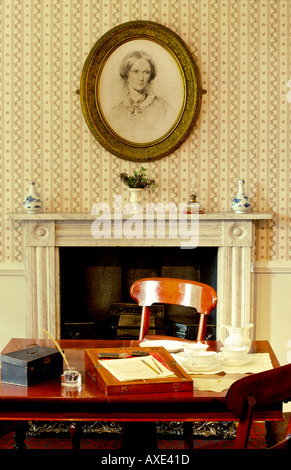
(189, 348)
(234, 353)
(202, 358)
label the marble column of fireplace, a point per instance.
(45, 233)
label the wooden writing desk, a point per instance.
(50, 402)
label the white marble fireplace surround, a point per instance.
(45, 233)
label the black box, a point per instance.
(30, 366)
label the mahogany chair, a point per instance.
(163, 290)
(254, 392)
(176, 292)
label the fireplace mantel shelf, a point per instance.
(88, 216)
(44, 234)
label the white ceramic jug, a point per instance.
(237, 336)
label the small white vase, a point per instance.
(135, 198)
(32, 203)
(240, 202)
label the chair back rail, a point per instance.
(173, 291)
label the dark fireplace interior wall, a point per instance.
(94, 278)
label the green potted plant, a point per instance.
(136, 183)
(138, 180)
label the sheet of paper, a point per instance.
(213, 385)
(136, 368)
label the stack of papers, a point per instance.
(136, 368)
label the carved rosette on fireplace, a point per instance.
(46, 233)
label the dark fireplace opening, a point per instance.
(95, 282)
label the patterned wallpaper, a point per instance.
(242, 48)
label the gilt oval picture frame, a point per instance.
(140, 91)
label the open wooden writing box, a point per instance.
(180, 381)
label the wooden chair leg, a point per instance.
(243, 430)
(188, 435)
(75, 433)
(20, 436)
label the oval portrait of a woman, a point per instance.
(141, 92)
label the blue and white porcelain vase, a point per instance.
(240, 202)
(32, 203)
